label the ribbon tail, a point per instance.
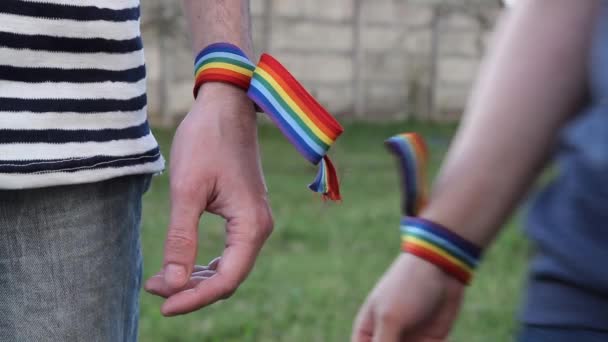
(411, 154)
(327, 182)
(309, 127)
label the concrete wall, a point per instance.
(373, 59)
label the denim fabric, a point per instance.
(537, 333)
(70, 262)
(568, 221)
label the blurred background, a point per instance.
(381, 67)
(364, 59)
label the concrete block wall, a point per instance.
(372, 59)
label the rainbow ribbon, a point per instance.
(426, 239)
(412, 154)
(222, 62)
(437, 244)
(306, 124)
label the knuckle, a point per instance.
(261, 223)
(228, 289)
(185, 189)
(264, 226)
(179, 239)
(388, 317)
(265, 223)
(180, 186)
(184, 195)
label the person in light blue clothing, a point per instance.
(542, 96)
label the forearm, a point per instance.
(532, 82)
(223, 21)
(219, 21)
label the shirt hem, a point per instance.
(553, 303)
(40, 180)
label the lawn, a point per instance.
(323, 258)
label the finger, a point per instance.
(206, 273)
(228, 277)
(363, 328)
(214, 263)
(242, 247)
(157, 275)
(156, 285)
(182, 237)
(199, 271)
(387, 328)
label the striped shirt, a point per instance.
(72, 93)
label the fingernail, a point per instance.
(175, 275)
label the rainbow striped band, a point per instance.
(438, 245)
(412, 155)
(426, 239)
(305, 123)
(222, 62)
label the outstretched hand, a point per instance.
(215, 168)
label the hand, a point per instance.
(414, 301)
(215, 167)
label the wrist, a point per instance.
(436, 244)
(305, 123)
(232, 102)
(420, 266)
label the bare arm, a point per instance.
(215, 168)
(532, 82)
(219, 21)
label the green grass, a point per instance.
(323, 258)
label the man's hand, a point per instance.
(215, 168)
(414, 302)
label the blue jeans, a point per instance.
(540, 333)
(70, 262)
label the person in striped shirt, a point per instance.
(77, 154)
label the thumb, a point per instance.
(387, 328)
(363, 328)
(181, 243)
(244, 241)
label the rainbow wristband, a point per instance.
(305, 123)
(435, 243)
(222, 62)
(426, 239)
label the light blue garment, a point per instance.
(70, 262)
